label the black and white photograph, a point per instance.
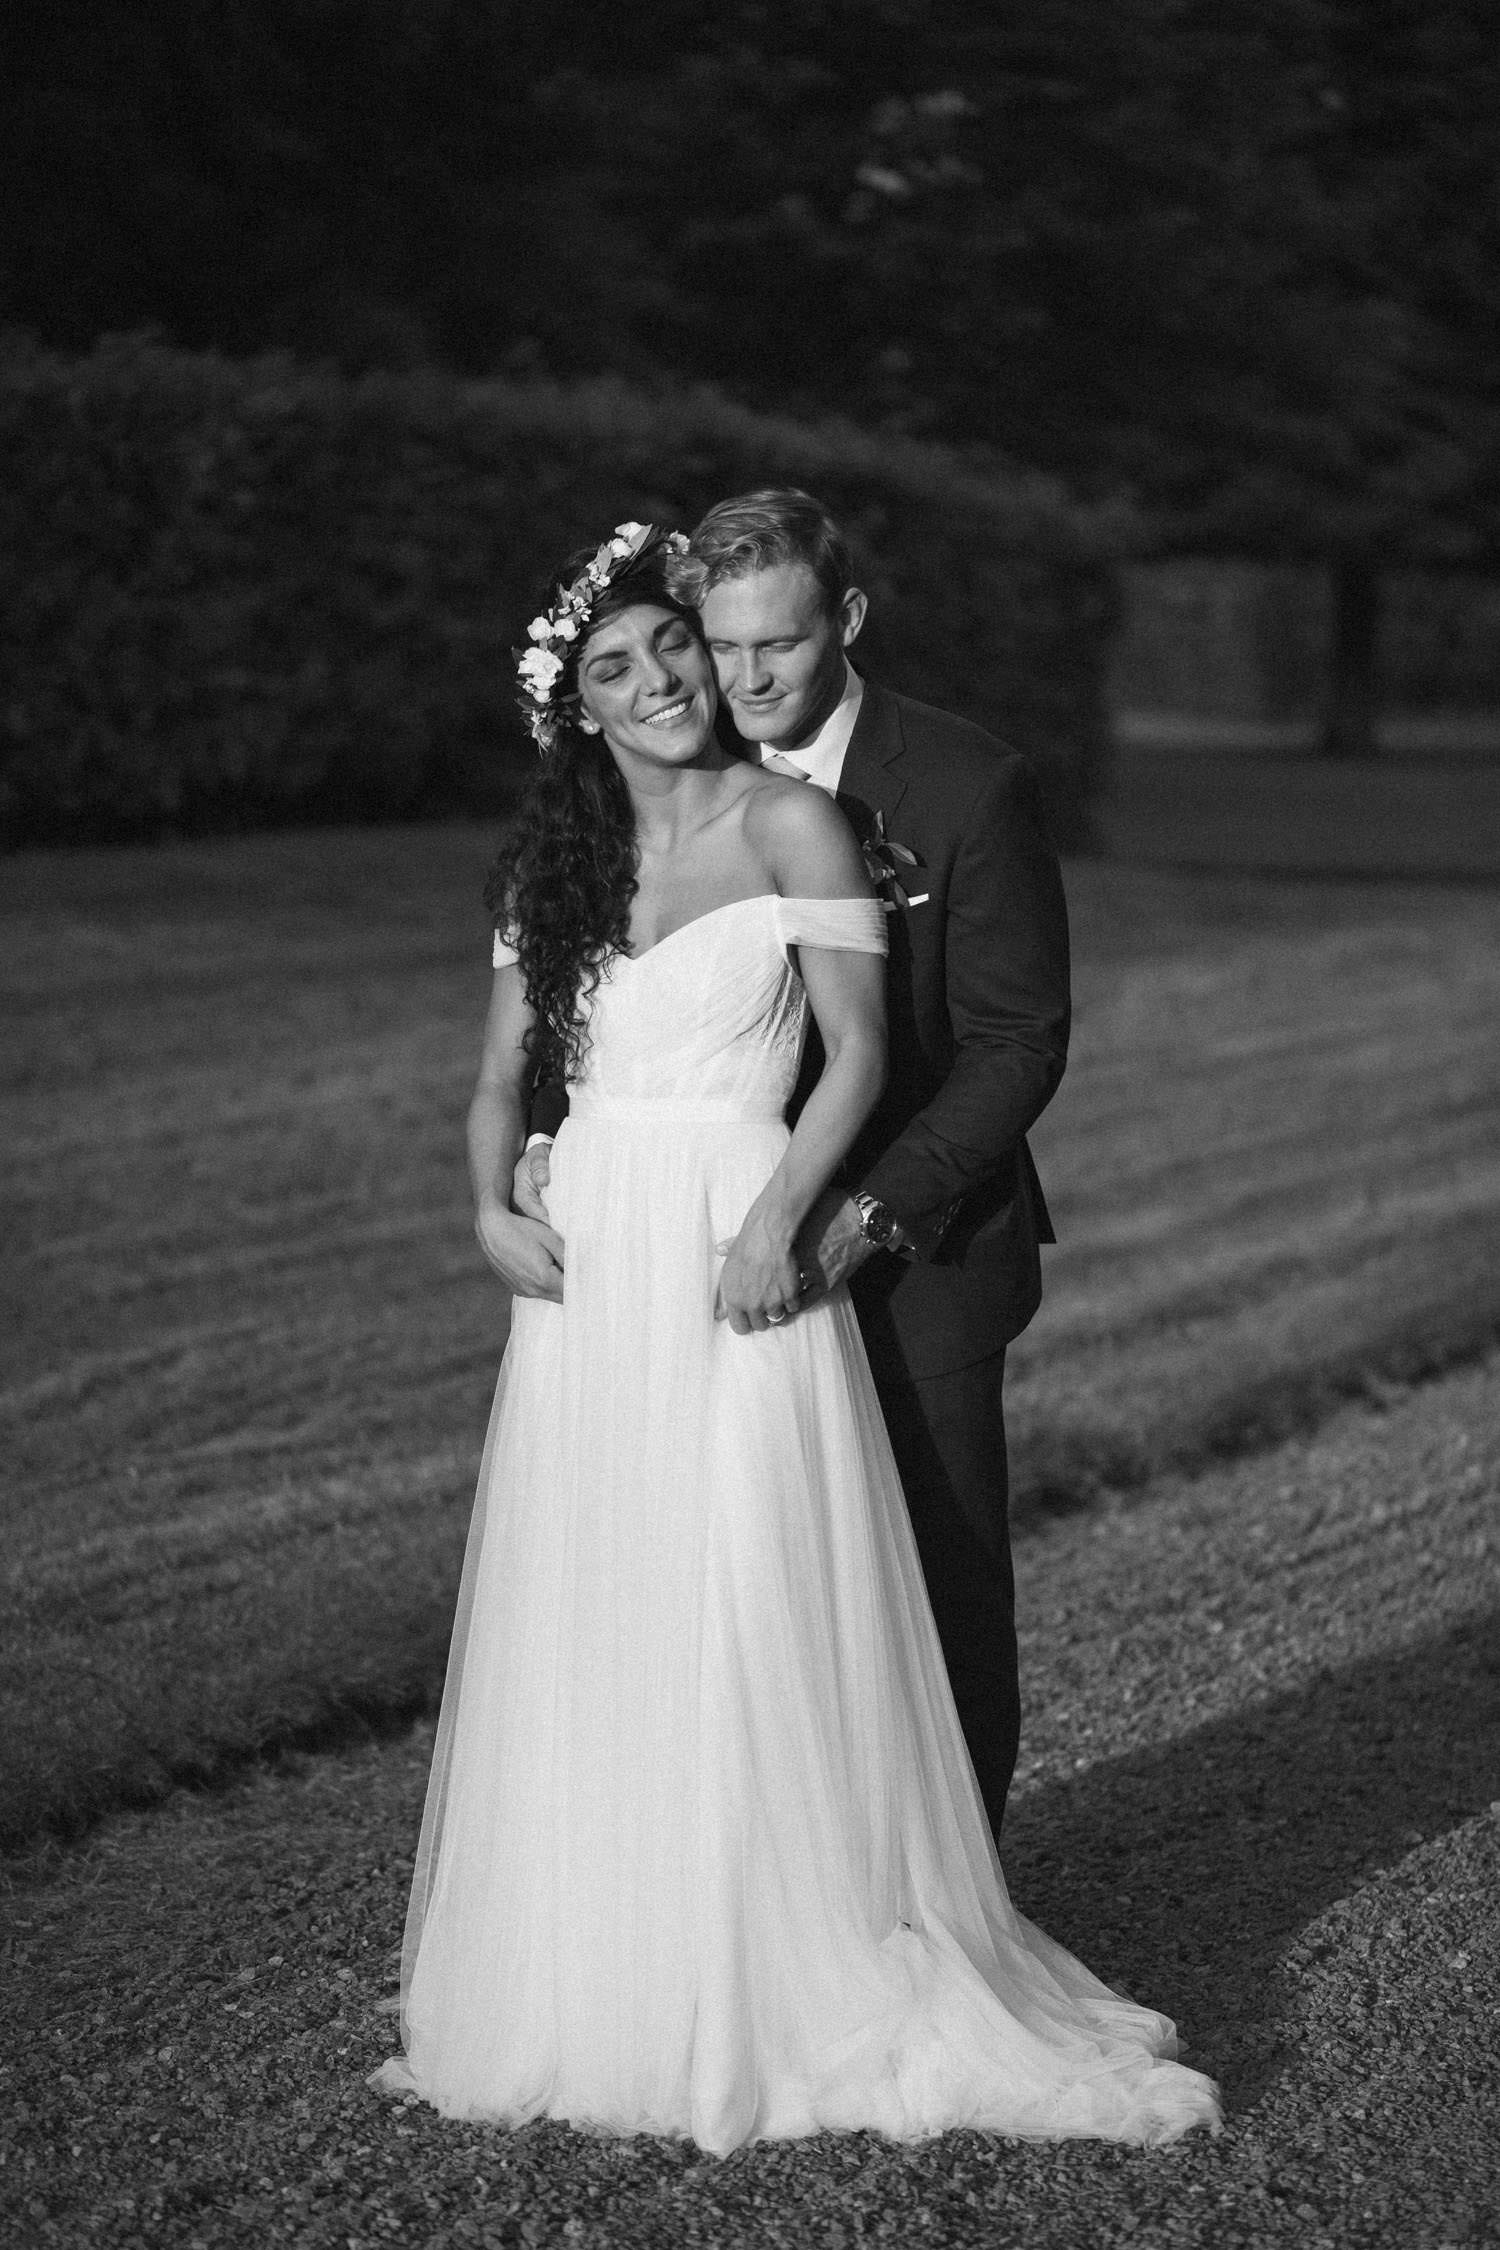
(750, 1108)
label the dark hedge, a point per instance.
(253, 593)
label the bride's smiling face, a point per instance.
(646, 681)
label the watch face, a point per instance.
(876, 1223)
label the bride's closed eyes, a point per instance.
(610, 665)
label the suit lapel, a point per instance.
(872, 780)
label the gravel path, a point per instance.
(1261, 1789)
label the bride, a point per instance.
(703, 1853)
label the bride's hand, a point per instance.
(526, 1255)
(760, 1286)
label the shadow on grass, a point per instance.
(1062, 1471)
(1184, 1873)
(37, 1831)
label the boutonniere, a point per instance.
(882, 853)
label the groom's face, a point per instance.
(779, 651)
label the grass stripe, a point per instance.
(255, 1345)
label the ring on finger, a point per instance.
(776, 1318)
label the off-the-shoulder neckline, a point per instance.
(756, 898)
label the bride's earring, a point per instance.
(589, 726)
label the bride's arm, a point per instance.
(526, 1255)
(812, 853)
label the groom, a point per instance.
(937, 1223)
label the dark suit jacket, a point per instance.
(978, 1006)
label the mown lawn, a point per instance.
(252, 1343)
(1195, 798)
(1261, 1707)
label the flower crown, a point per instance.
(540, 667)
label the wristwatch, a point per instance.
(878, 1225)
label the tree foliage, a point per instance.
(1240, 258)
(243, 592)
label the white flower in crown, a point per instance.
(565, 628)
(540, 669)
(629, 538)
(540, 629)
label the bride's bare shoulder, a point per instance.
(804, 842)
(781, 809)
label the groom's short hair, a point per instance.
(758, 530)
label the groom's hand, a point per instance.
(527, 1255)
(831, 1244)
(531, 1179)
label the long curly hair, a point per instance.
(565, 873)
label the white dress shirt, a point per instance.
(821, 757)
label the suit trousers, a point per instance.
(948, 1435)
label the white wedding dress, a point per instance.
(703, 1853)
